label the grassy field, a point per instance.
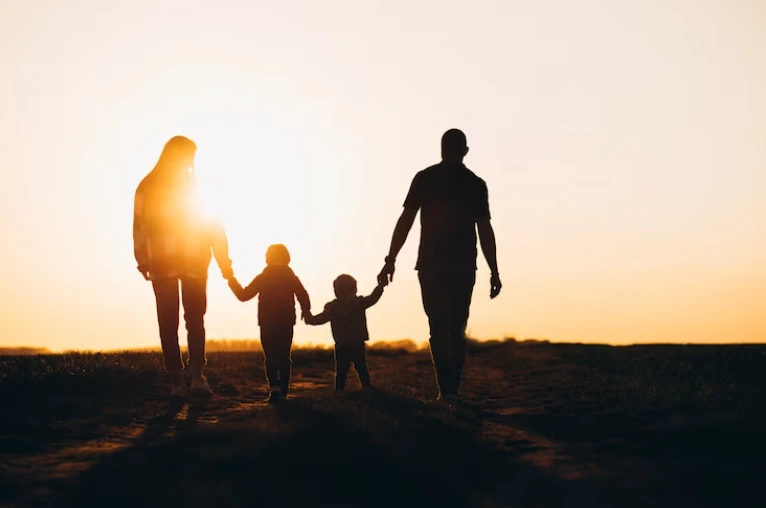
(542, 425)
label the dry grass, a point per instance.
(548, 425)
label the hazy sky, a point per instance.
(623, 143)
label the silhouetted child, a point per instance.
(277, 287)
(348, 320)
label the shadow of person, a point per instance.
(375, 449)
(195, 409)
(158, 427)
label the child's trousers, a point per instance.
(344, 356)
(277, 340)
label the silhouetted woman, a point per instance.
(173, 245)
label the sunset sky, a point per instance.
(623, 143)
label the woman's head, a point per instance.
(277, 255)
(177, 155)
(344, 286)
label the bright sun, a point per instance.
(257, 206)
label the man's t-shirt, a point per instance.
(451, 200)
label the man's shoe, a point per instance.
(446, 399)
(275, 395)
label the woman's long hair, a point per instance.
(176, 150)
(169, 181)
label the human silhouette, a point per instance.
(453, 203)
(348, 320)
(172, 244)
(277, 288)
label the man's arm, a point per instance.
(489, 248)
(140, 247)
(401, 231)
(487, 241)
(220, 247)
(488, 244)
(247, 293)
(412, 204)
(373, 298)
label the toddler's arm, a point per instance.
(247, 293)
(373, 298)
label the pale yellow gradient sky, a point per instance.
(623, 142)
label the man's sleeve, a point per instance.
(140, 247)
(415, 195)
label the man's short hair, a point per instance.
(454, 141)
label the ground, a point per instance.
(541, 425)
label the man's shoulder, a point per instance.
(430, 171)
(473, 176)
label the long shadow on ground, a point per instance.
(301, 455)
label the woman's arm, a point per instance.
(220, 247)
(302, 296)
(140, 248)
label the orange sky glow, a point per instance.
(623, 143)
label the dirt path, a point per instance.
(541, 426)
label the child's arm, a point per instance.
(247, 293)
(303, 298)
(319, 319)
(373, 298)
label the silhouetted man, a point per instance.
(172, 243)
(453, 204)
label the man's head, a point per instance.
(454, 146)
(277, 255)
(345, 286)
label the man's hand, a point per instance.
(495, 285)
(227, 273)
(386, 275)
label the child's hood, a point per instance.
(344, 308)
(281, 271)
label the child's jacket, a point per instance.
(348, 318)
(277, 287)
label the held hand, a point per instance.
(386, 275)
(227, 273)
(495, 285)
(144, 272)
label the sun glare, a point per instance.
(258, 202)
